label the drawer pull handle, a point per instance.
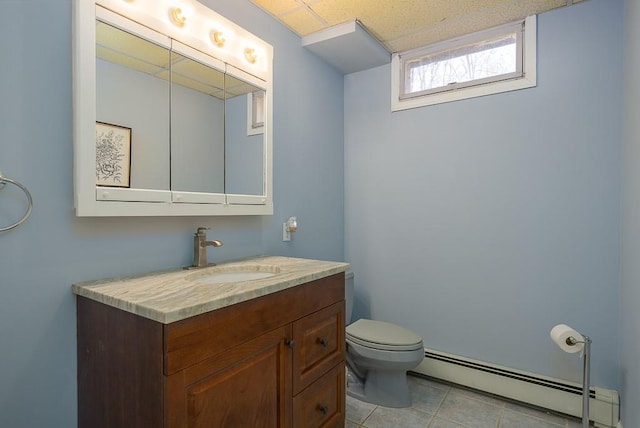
(290, 343)
(323, 409)
(323, 342)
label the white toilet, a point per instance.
(379, 354)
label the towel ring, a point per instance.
(3, 181)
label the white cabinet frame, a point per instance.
(257, 66)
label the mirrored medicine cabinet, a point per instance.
(172, 111)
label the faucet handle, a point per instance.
(201, 230)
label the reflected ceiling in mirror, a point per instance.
(128, 50)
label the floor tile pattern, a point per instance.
(440, 405)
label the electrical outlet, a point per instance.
(286, 235)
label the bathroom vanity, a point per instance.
(214, 348)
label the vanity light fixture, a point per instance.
(218, 39)
(191, 22)
(177, 17)
(250, 55)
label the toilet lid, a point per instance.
(383, 335)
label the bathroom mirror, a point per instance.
(197, 124)
(244, 152)
(132, 104)
(161, 124)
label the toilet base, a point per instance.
(384, 388)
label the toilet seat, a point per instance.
(383, 335)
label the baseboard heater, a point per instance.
(541, 391)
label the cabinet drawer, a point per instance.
(322, 404)
(195, 339)
(320, 344)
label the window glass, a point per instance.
(496, 60)
(482, 60)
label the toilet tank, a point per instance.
(348, 296)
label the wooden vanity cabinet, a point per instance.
(274, 361)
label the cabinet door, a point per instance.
(246, 386)
(320, 344)
(322, 404)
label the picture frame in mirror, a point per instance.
(113, 155)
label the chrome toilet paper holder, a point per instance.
(586, 341)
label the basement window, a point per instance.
(497, 60)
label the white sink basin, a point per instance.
(231, 274)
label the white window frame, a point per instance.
(255, 127)
(459, 92)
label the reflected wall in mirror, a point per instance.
(132, 91)
(197, 126)
(244, 150)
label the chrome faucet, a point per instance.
(200, 245)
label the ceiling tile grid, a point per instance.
(402, 25)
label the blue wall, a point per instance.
(53, 249)
(483, 223)
(630, 280)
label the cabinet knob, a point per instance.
(290, 343)
(322, 409)
(323, 342)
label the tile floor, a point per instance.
(438, 405)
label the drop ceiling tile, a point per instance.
(196, 85)
(198, 72)
(336, 11)
(277, 7)
(471, 23)
(405, 24)
(303, 22)
(127, 44)
(424, 14)
(127, 61)
(389, 19)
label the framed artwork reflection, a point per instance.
(113, 155)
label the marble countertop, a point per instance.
(172, 296)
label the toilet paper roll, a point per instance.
(560, 333)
